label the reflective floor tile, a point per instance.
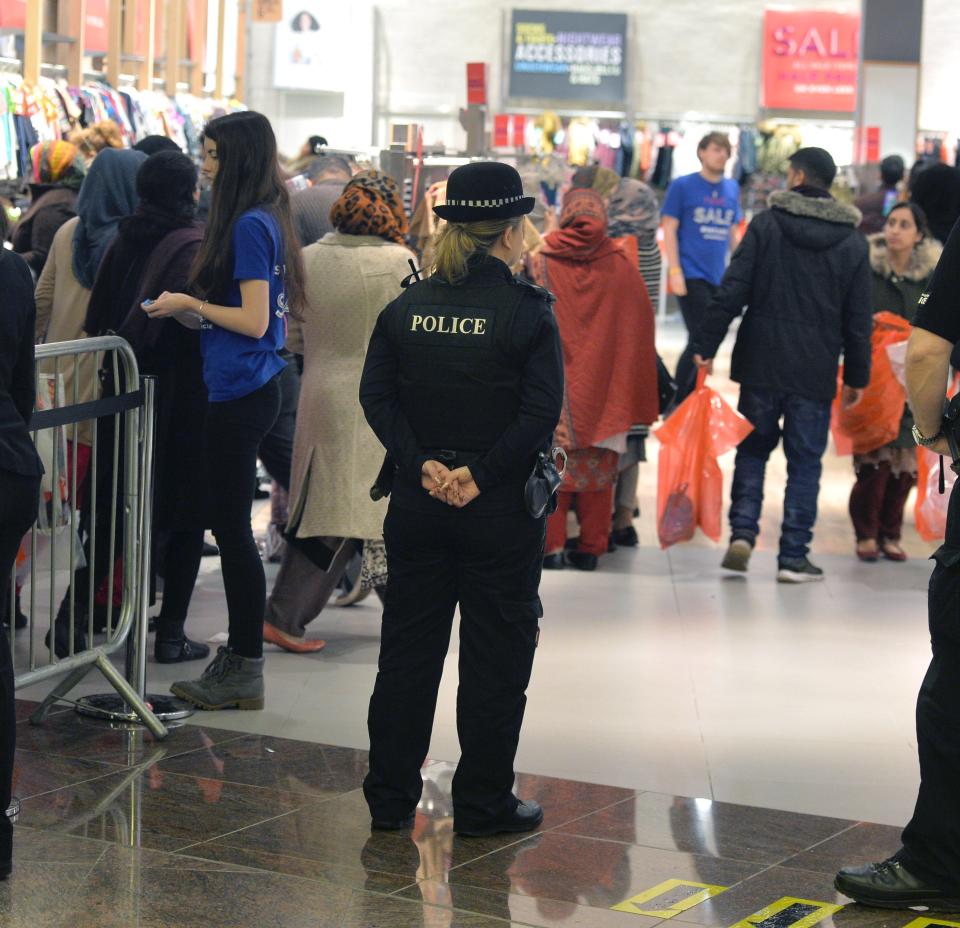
(342, 872)
(778, 883)
(70, 735)
(32, 845)
(314, 770)
(154, 809)
(34, 773)
(591, 872)
(860, 844)
(335, 836)
(714, 829)
(368, 911)
(147, 890)
(528, 910)
(40, 894)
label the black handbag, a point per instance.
(666, 386)
(540, 493)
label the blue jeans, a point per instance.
(806, 426)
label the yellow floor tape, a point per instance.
(700, 892)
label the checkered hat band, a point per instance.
(488, 204)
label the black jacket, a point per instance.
(17, 314)
(518, 341)
(803, 274)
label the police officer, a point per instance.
(463, 385)
(926, 871)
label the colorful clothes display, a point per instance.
(50, 110)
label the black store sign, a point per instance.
(569, 56)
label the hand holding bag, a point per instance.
(540, 493)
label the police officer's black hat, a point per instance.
(484, 190)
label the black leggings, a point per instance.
(234, 431)
(18, 510)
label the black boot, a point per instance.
(172, 646)
(583, 561)
(61, 631)
(20, 620)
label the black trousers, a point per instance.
(18, 511)
(234, 431)
(931, 842)
(490, 565)
(693, 307)
(276, 449)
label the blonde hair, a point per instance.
(458, 242)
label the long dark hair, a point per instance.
(248, 176)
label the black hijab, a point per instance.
(166, 185)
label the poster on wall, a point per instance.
(568, 56)
(810, 60)
(313, 46)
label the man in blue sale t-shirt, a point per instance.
(701, 222)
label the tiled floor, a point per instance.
(216, 828)
(656, 676)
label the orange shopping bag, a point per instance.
(875, 420)
(931, 507)
(689, 481)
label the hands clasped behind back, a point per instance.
(456, 488)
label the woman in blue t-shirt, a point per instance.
(247, 274)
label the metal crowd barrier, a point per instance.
(66, 430)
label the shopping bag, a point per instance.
(931, 507)
(875, 420)
(689, 480)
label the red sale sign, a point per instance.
(810, 60)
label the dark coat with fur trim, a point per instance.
(803, 275)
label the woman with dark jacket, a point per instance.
(902, 258)
(20, 471)
(57, 178)
(153, 252)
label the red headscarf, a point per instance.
(606, 324)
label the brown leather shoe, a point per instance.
(273, 635)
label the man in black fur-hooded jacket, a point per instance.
(803, 274)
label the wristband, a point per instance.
(676, 270)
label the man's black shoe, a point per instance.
(393, 824)
(625, 537)
(210, 550)
(554, 562)
(526, 817)
(889, 885)
(583, 561)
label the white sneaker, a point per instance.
(799, 570)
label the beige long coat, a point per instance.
(336, 456)
(61, 312)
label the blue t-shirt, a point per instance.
(707, 213)
(236, 365)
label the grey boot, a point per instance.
(230, 682)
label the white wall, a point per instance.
(940, 67)
(344, 119)
(687, 56)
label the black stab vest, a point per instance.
(459, 381)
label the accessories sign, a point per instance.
(568, 56)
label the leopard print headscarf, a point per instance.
(371, 205)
